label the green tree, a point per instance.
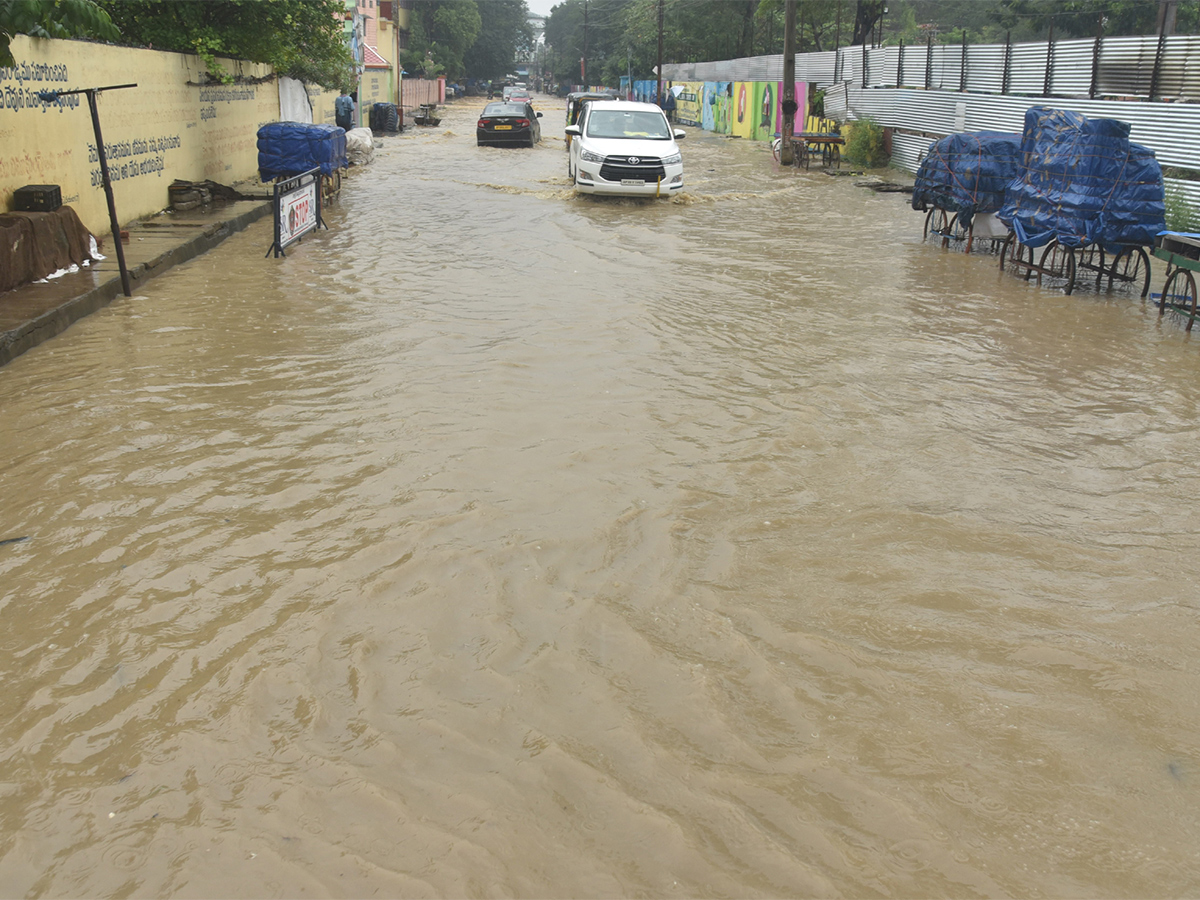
(441, 33)
(299, 38)
(504, 30)
(51, 19)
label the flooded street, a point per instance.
(501, 542)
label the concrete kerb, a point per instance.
(34, 313)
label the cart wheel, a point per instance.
(955, 232)
(1058, 262)
(1090, 259)
(1013, 255)
(1181, 291)
(936, 223)
(1130, 266)
(331, 185)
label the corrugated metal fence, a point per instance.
(1165, 68)
(929, 91)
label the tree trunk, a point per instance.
(866, 14)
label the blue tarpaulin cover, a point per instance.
(967, 173)
(289, 148)
(1082, 181)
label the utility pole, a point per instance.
(788, 126)
(659, 94)
(583, 71)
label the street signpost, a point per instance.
(297, 208)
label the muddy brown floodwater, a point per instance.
(499, 542)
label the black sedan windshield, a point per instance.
(504, 109)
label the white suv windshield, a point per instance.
(613, 123)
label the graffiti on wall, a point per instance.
(21, 83)
(213, 94)
(129, 159)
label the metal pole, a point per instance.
(1007, 62)
(1158, 58)
(788, 127)
(659, 94)
(1049, 62)
(1096, 58)
(108, 192)
(583, 71)
(962, 66)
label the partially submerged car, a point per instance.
(625, 149)
(510, 124)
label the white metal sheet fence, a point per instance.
(1119, 67)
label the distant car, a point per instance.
(508, 124)
(626, 149)
(520, 95)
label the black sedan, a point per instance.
(508, 123)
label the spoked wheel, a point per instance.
(1058, 262)
(937, 223)
(1131, 266)
(1180, 293)
(956, 232)
(1016, 256)
(1090, 259)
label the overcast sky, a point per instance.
(541, 7)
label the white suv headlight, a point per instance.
(589, 156)
(672, 159)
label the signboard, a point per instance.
(297, 209)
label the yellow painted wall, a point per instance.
(322, 104)
(687, 106)
(743, 111)
(170, 126)
(373, 89)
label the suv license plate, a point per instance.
(633, 181)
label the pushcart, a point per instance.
(1128, 264)
(1181, 252)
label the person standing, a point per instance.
(668, 105)
(343, 111)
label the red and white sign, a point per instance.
(297, 213)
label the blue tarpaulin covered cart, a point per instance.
(1084, 191)
(962, 176)
(287, 149)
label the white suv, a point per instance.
(625, 148)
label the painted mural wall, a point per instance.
(752, 110)
(172, 125)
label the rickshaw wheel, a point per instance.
(1012, 252)
(1184, 302)
(1058, 262)
(1131, 265)
(935, 223)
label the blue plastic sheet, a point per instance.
(967, 173)
(289, 148)
(1082, 181)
